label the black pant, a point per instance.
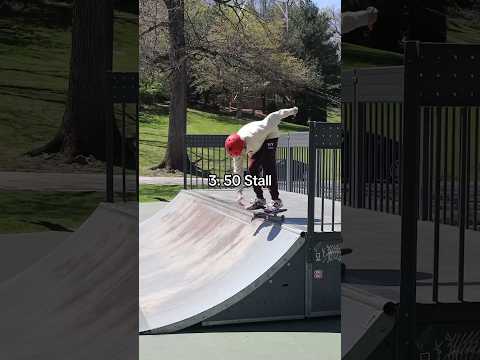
(265, 159)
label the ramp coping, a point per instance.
(364, 297)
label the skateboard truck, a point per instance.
(269, 215)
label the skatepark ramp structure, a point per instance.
(204, 260)
(91, 281)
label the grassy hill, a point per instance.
(35, 54)
(154, 131)
(357, 56)
(34, 57)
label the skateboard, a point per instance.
(270, 215)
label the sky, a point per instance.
(329, 3)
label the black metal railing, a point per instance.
(205, 156)
(325, 144)
(373, 123)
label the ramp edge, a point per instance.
(380, 325)
(246, 215)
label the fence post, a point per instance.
(185, 161)
(289, 164)
(425, 167)
(409, 201)
(109, 143)
(359, 137)
(312, 154)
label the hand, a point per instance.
(372, 17)
(240, 194)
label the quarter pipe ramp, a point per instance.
(202, 259)
(71, 303)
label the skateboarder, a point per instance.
(259, 139)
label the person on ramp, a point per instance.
(259, 140)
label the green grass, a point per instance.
(149, 193)
(464, 27)
(34, 78)
(22, 210)
(154, 131)
(357, 56)
(334, 116)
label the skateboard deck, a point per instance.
(270, 215)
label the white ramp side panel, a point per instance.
(198, 258)
(87, 282)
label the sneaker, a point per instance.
(275, 205)
(257, 204)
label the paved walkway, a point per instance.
(40, 181)
(242, 345)
(161, 180)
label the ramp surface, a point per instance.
(71, 303)
(19, 251)
(202, 253)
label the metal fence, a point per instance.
(411, 148)
(205, 156)
(448, 155)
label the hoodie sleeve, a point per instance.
(276, 117)
(352, 20)
(238, 165)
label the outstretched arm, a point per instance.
(238, 165)
(238, 169)
(352, 20)
(276, 117)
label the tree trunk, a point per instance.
(178, 86)
(85, 116)
(88, 104)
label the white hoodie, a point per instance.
(352, 20)
(256, 132)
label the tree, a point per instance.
(243, 62)
(88, 105)
(177, 73)
(178, 86)
(220, 46)
(312, 37)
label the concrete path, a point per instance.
(240, 346)
(161, 180)
(40, 181)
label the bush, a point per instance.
(154, 92)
